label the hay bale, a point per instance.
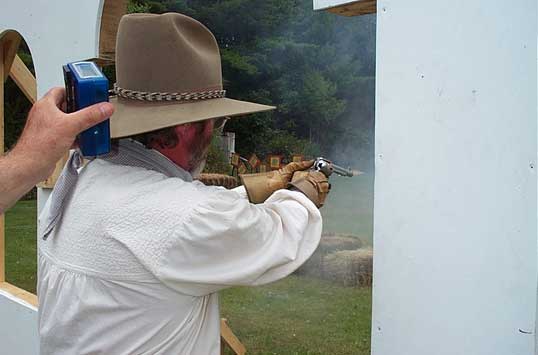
(335, 242)
(329, 243)
(349, 267)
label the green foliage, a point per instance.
(136, 6)
(133, 7)
(217, 162)
(316, 67)
(286, 144)
(16, 105)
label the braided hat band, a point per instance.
(167, 96)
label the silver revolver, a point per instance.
(327, 168)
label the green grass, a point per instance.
(21, 244)
(297, 315)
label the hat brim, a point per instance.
(134, 117)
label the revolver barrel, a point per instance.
(342, 171)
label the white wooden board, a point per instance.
(455, 226)
(18, 326)
(56, 32)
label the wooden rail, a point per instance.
(2, 238)
(356, 8)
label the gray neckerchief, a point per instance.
(129, 152)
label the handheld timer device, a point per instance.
(86, 85)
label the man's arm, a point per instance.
(201, 243)
(48, 134)
(16, 178)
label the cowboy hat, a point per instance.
(168, 72)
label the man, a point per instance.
(47, 136)
(133, 251)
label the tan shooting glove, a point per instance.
(314, 184)
(260, 186)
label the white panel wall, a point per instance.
(455, 231)
(18, 326)
(57, 32)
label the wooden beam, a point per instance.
(356, 8)
(19, 293)
(230, 339)
(2, 238)
(10, 43)
(24, 79)
(113, 10)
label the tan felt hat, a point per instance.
(168, 73)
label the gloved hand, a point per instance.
(260, 186)
(314, 184)
(226, 181)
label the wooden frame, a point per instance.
(356, 8)
(2, 236)
(24, 79)
(113, 10)
(230, 339)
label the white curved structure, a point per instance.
(56, 32)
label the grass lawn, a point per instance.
(297, 315)
(21, 244)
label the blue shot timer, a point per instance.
(86, 85)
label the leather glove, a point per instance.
(314, 184)
(260, 186)
(226, 181)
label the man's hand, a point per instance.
(47, 136)
(260, 186)
(314, 184)
(49, 132)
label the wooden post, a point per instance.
(229, 338)
(9, 44)
(2, 239)
(113, 10)
(361, 7)
(24, 79)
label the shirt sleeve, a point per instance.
(227, 241)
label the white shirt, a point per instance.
(135, 264)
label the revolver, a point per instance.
(327, 168)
